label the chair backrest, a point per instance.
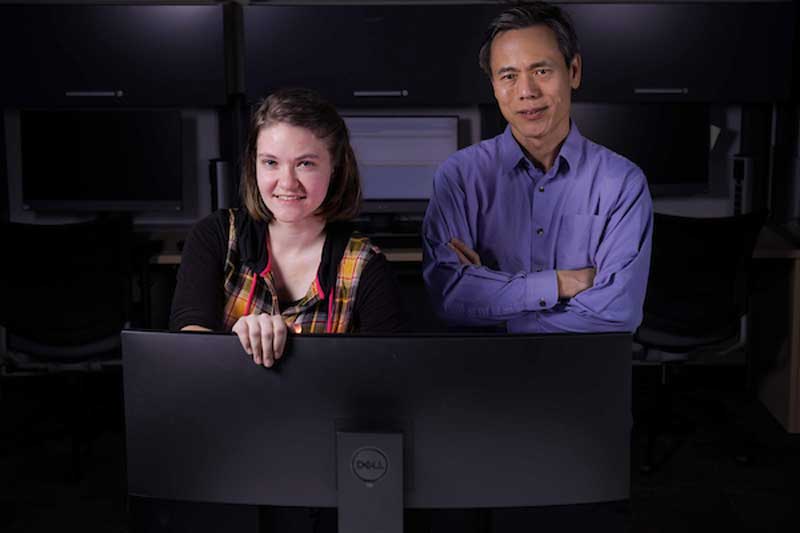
(65, 285)
(699, 274)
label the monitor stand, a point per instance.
(370, 482)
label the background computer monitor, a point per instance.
(398, 157)
(669, 141)
(487, 420)
(101, 160)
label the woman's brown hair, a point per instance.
(305, 108)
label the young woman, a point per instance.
(288, 261)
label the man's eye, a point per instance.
(542, 71)
(507, 77)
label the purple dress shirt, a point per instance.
(591, 209)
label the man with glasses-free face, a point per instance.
(539, 228)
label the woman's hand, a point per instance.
(262, 336)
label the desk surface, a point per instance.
(778, 313)
(772, 245)
(397, 255)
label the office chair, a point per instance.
(65, 300)
(696, 299)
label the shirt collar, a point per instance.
(512, 154)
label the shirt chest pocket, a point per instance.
(577, 241)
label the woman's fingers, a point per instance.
(279, 335)
(254, 333)
(241, 330)
(265, 324)
(263, 337)
(248, 329)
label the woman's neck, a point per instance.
(291, 239)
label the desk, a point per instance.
(395, 255)
(774, 327)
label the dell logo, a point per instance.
(369, 464)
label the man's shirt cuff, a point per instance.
(542, 290)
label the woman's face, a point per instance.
(293, 171)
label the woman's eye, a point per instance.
(306, 164)
(268, 162)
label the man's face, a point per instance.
(533, 85)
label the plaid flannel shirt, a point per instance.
(248, 291)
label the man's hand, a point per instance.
(466, 255)
(573, 282)
(570, 282)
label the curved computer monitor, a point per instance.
(483, 420)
